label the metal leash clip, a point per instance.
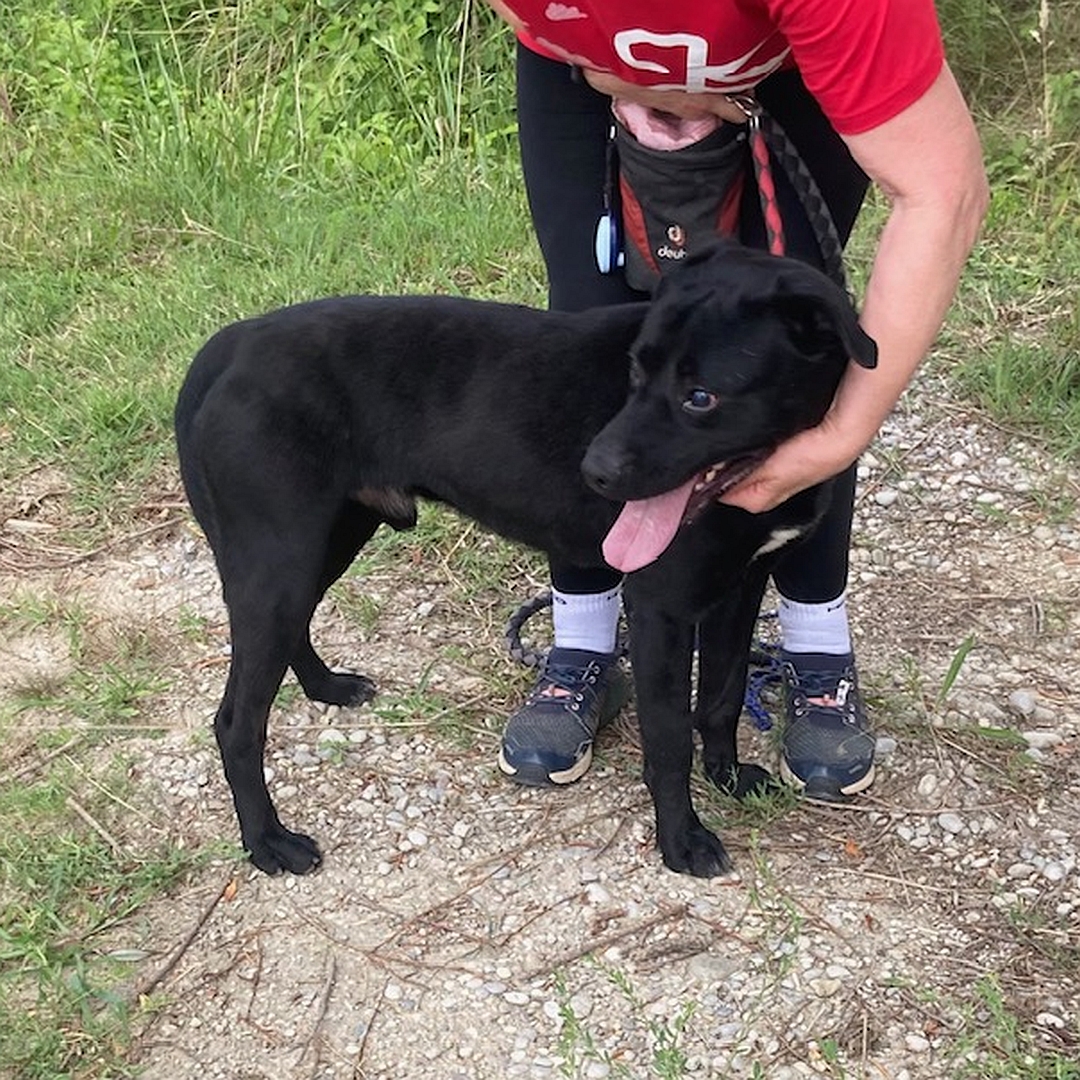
(749, 106)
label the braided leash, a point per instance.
(769, 141)
(817, 211)
(764, 670)
(525, 653)
(522, 653)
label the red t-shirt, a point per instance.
(864, 60)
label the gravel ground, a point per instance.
(463, 928)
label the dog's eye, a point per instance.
(700, 400)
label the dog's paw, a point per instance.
(739, 780)
(342, 688)
(696, 851)
(285, 850)
(754, 780)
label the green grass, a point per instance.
(69, 883)
(996, 1043)
(66, 899)
(664, 1038)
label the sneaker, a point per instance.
(549, 739)
(828, 748)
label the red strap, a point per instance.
(633, 221)
(770, 210)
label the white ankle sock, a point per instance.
(586, 620)
(815, 628)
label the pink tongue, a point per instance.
(645, 528)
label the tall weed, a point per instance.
(296, 91)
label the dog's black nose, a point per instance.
(600, 469)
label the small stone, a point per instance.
(886, 496)
(516, 997)
(582, 1004)
(1050, 1020)
(332, 735)
(596, 894)
(1054, 871)
(712, 969)
(1022, 702)
(1020, 870)
(951, 823)
(884, 745)
(927, 785)
(917, 1044)
(1041, 740)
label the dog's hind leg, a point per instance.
(353, 528)
(661, 650)
(724, 646)
(270, 603)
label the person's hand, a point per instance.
(802, 461)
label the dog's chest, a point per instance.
(720, 554)
(778, 538)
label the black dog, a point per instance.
(302, 431)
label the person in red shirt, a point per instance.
(862, 89)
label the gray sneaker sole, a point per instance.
(536, 776)
(851, 789)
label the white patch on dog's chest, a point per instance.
(777, 539)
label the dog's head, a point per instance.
(739, 351)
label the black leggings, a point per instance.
(563, 125)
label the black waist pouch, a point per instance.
(676, 202)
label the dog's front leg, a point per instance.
(661, 650)
(724, 639)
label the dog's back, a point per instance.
(389, 398)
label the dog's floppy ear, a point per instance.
(861, 347)
(824, 310)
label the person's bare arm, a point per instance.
(928, 161)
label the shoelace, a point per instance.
(822, 690)
(574, 680)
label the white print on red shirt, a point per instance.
(563, 12)
(689, 60)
